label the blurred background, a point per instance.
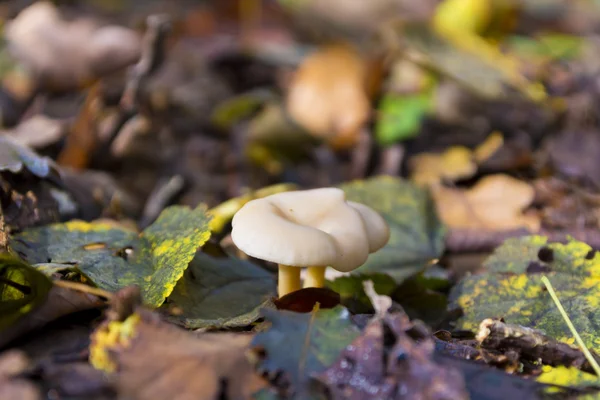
(142, 104)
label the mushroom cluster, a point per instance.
(313, 228)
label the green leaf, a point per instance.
(417, 235)
(303, 344)
(114, 257)
(554, 46)
(401, 116)
(15, 156)
(22, 289)
(221, 293)
(512, 288)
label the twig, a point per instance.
(153, 50)
(572, 328)
(82, 287)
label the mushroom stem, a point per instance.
(289, 279)
(315, 277)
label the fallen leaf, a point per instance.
(400, 116)
(470, 60)
(569, 377)
(496, 202)
(114, 257)
(184, 366)
(299, 344)
(511, 288)
(58, 303)
(417, 236)
(455, 163)
(384, 362)
(22, 290)
(329, 95)
(221, 293)
(65, 54)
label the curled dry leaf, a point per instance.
(208, 366)
(65, 54)
(496, 203)
(330, 94)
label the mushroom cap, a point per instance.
(316, 227)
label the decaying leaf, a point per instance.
(417, 236)
(183, 366)
(22, 290)
(221, 293)
(511, 288)
(496, 202)
(65, 54)
(298, 345)
(375, 365)
(114, 257)
(329, 95)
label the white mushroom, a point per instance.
(310, 228)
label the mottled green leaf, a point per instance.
(400, 116)
(299, 344)
(512, 288)
(221, 293)
(114, 257)
(15, 156)
(417, 235)
(22, 289)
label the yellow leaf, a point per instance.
(453, 164)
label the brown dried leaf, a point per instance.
(184, 366)
(495, 203)
(329, 94)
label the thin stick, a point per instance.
(562, 311)
(82, 287)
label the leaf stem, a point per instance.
(563, 313)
